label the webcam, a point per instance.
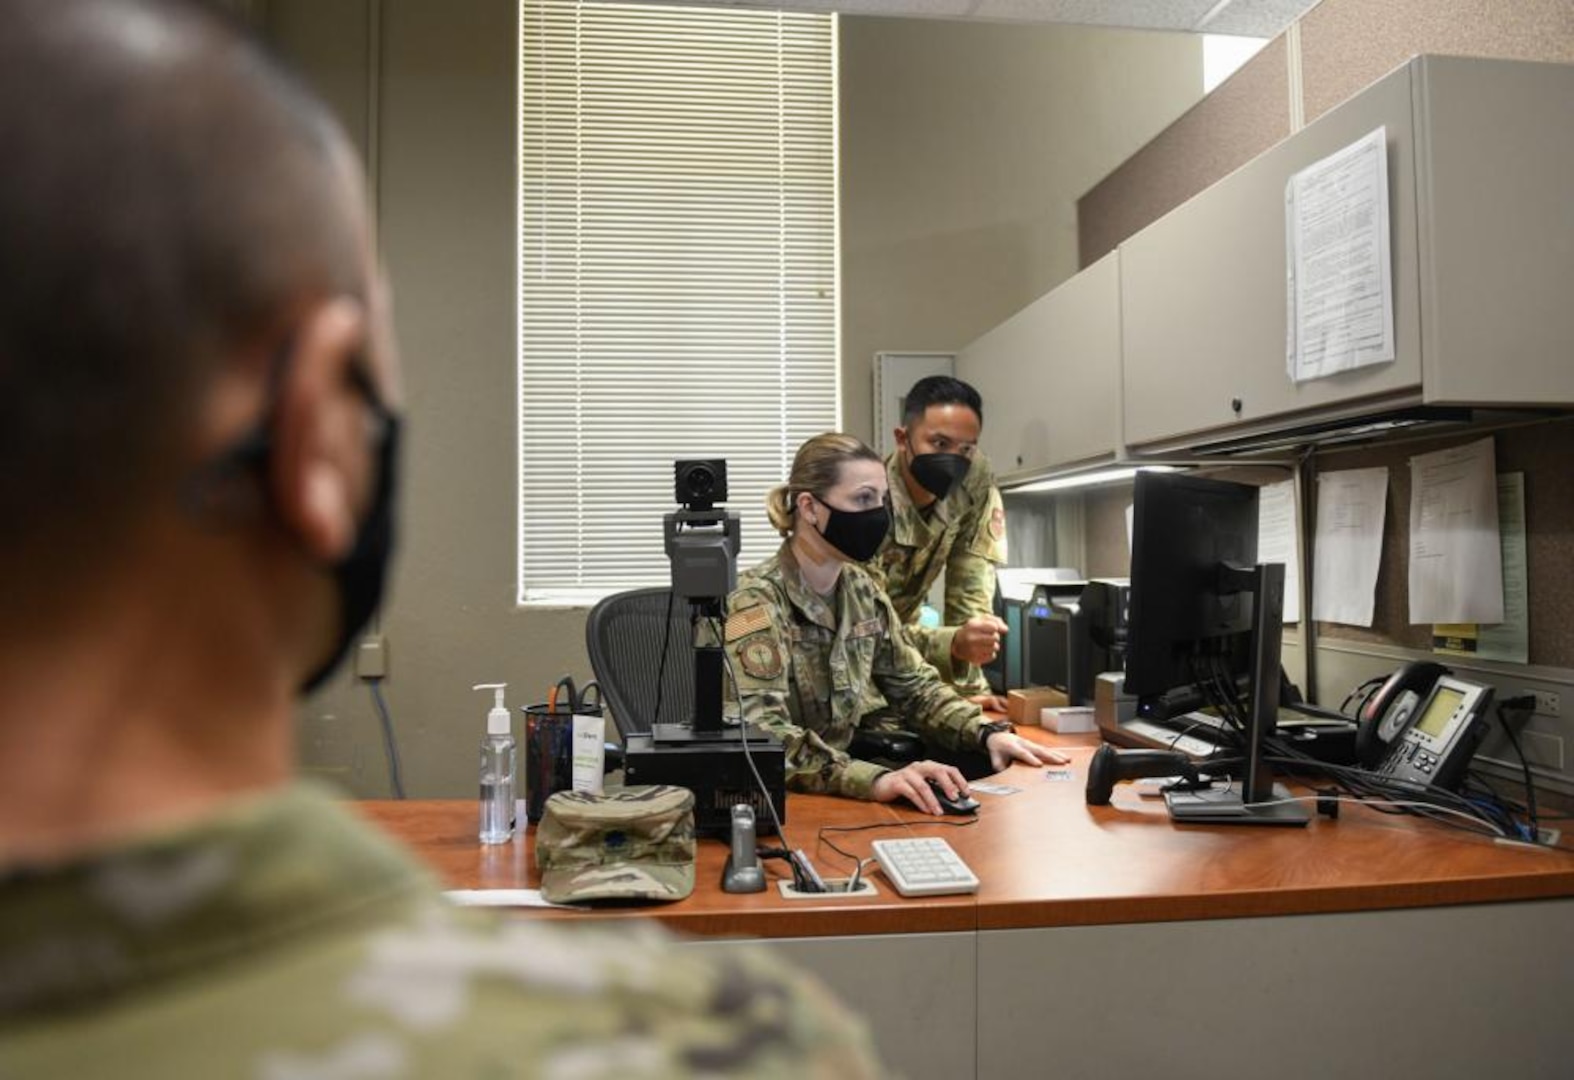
(700, 484)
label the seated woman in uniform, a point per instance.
(816, 647)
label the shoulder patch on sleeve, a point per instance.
(749, 621)
(997, 522)
(761, 658)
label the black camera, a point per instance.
(700, 484)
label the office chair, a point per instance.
(624, 636)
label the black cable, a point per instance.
(1376, 790)
(390, 744)
(819, 837)
(1530, 784)
(1205, 673)
(743, 729)
(1229, 692)
(661, 666)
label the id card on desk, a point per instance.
(989, 787)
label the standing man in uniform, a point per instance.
(947, 517)
(198, 449)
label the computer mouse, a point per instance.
(961, 805)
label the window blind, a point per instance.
(677, 274)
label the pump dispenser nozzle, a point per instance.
(497, 721)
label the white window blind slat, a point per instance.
(678, 273)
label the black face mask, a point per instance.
(939, 473)
(857, 533)
(361, 575)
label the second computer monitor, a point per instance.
(1183, 623)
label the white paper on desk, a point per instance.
(1339, 287)
(1348, 546)
(499, 898)
(1456, 558)
(1278, 540)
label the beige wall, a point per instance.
(964, 147)
(446, 179)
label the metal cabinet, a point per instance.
(1050, 376)
(1482, 246)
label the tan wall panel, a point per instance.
(1108, 553)
(1239, 120)
(1347, 44)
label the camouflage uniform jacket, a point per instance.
(286, 940)
(963, 534)
(812, 669)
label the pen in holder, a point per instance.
(549, 742)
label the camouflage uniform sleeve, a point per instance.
(933, 708)
(760, 656)
(970, 587)
(933, 642)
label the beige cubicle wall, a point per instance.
(1334, 50)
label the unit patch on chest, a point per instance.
(761, 658)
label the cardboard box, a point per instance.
(1024, 706)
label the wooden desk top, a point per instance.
(1045, 858)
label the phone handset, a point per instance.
(1431, 741)
(1387, 713)
(743, 873)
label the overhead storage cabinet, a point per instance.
(1050, 376)
(1481, 215)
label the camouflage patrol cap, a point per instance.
(633, 843)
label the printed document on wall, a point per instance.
(1509, 640)
(1456, 558)
(1278, 540)
(1348, 546)
(1340, 312)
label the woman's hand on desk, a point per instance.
(1006, 747)
(911, 782)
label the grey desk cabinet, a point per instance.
(1050, 376)
(1480, 153)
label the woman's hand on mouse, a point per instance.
(1006, 747)
(911, 782)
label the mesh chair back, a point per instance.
(625, 636)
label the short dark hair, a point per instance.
(940, 390)
(169, 192)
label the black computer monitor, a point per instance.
(1203, 614)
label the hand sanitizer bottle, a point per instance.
(497, 771)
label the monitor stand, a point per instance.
(1256, 799)
(1224, 806)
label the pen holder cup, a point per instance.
(549, 761)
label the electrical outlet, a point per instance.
(371, 657)
(1546, 702)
